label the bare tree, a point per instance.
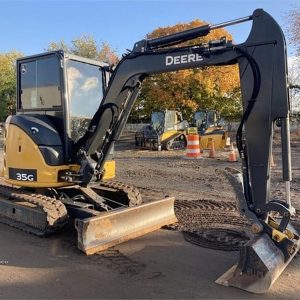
(293, 28)
(294, 81)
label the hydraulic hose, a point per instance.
(239, 136)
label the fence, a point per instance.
(232, 126)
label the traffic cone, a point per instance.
(200, 146)
(228, 143)
(212, 151)
(232, 155)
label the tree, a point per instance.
(8, 83)
(189, 90)
(294, 80)
(293, 28)
(86, 46)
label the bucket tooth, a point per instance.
(260, 264)
(112, 228)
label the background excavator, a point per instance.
(167, 131)
(58, 173)
(209, 127)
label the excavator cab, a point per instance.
(57, 95)
(209, 127)
(63, 90)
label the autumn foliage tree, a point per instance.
(86, 46)
(8, 83)
(192, 89)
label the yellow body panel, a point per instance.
(168, 134)
(220, 141)
(109, 170)
(21, 152)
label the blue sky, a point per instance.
(29, 26)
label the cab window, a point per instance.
(40, 84)
(85, 93)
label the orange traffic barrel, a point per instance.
(193, 146)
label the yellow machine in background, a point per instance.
(209, 127)
(167, 131)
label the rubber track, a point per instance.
(169, 145)
(133, 194)
(55, 212)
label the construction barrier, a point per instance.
(193, 147)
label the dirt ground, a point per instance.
(160, 265)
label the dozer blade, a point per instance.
(260, 264)
(111, 228)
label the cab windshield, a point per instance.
(85, 93)
(200, 118)
(211, 118)
(157, 120)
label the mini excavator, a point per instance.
(51, 174)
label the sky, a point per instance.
(29, 26)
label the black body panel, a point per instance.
(41, 130)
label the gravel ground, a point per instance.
(159, 174)
(160, 265)
(169, 173)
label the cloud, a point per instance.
(74, 73)
(90, 83)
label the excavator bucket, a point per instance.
(260, 264)
(261, 261)
(112, 228)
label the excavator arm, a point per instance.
(263, 72)
(263, 76)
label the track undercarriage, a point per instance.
(174, 142)
(45, 211)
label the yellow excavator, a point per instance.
(167, 131)
(57, 96)
(66, 123)
(209, 127)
